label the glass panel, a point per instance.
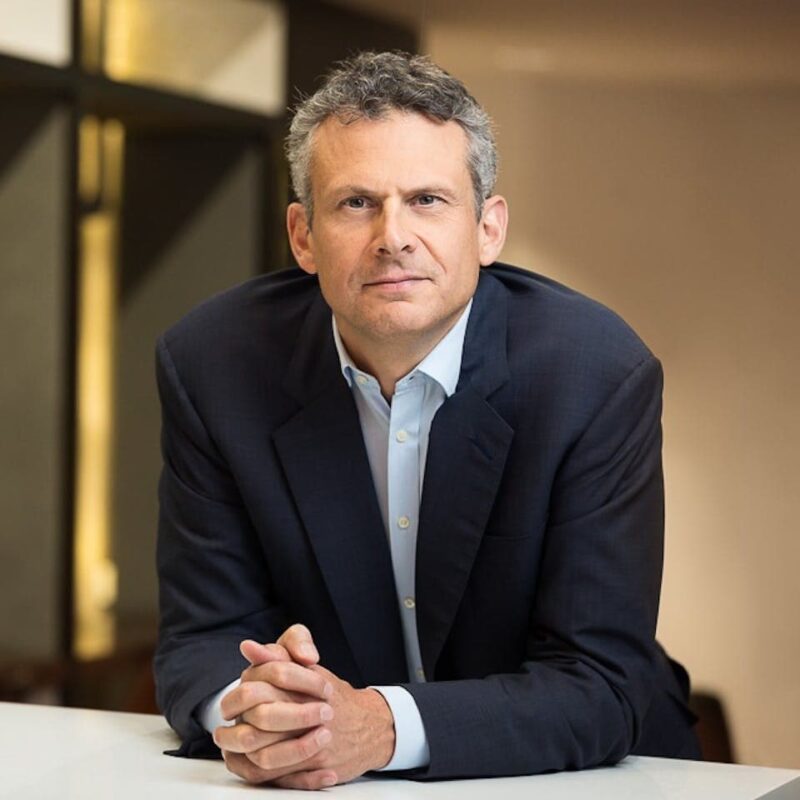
(229, 51)
(39, 30)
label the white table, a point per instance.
(49, 752)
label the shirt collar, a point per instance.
(443, 363)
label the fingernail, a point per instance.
(307, 650)
(326, 713)
(328, 690)
(329, 780)
(323, 737)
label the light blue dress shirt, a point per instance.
(396, 440)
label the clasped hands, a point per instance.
(298, 726)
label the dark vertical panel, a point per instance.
(274, 245)
(34, 178)
(321, 33)
(191, 227)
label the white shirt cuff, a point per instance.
(211, 712)
(411, 743)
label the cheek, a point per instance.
(454, 251)
(340, 254)
(338, 278)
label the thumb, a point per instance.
(257, 653)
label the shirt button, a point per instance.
(403, 522)
(421, 673)
(409, 602)
(361, 380)
(401, 436)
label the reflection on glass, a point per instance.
(229, 51)
(95, 577)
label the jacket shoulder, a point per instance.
(236, 318)
(554, 323)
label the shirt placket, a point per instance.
(403, 484)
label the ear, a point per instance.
(300, 238)
(492, 229)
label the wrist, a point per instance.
(381, 730)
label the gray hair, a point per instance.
(369, 86)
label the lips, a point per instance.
(396, 280)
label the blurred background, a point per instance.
(650, 152)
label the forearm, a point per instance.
(545, 718)
(188, 673)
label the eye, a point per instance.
(427, 199)
(355, 202)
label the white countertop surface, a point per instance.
(49, 752)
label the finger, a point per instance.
(290, 677)
(310, 780)
(251, 694)
(291, 751)
(242, 766)
(247, 695)
(282, 716)
(257, 653)
(299, 644)
(244, 738)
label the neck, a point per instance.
(391, 359)
(386, 361)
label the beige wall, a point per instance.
(675, 199)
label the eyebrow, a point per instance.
(351, 189)
(354, 190)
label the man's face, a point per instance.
(395, 241)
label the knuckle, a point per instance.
(252, 776)
(261, 758)
(262, 716)
(307, 746)
(277, 651)
(279, 671)
(306, 781)
(240, 767)
(246, 691)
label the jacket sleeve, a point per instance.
(213, 584)
(581, 693)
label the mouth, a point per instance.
(396, 283)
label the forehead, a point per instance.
(401, 145)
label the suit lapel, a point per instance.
(467, 450)
(323, 456)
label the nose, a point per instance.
(392, 235)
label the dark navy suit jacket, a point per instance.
(540, 542)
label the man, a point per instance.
(423, 498)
